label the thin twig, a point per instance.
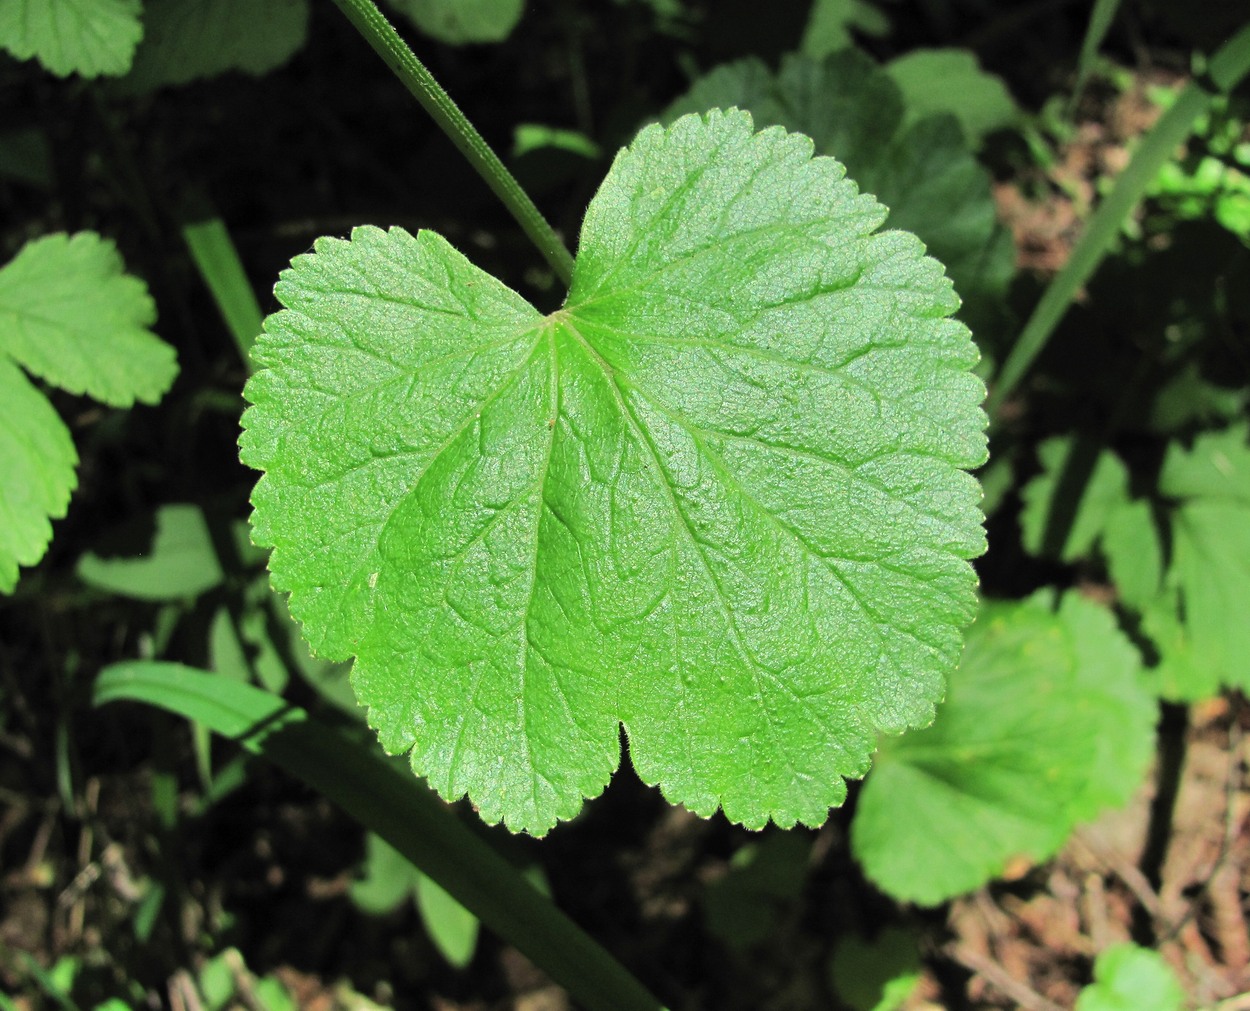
(999, 978)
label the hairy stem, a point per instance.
(380, 34)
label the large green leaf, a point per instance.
(717, 497)
(71, 316)
(1045, 724)
(87, 37)
(462, 21)
(920, 167)
(185, 40)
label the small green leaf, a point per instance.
(37, 457)
(387, 880)
(87, 37)
(70, 315)
(717, 497)
(458, 22)
(1129, 978)
(830, 24)
(1044, 726)
(530, 137)
(951, 81)
(180, 563)
(243, 649)
(185, 40)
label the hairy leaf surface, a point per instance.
(718, 497)
(920, 167)
(1045, 724)
(87, 37)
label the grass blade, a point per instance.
(217, 260)
(396, 806)
(1100, 19)
(1227, 67)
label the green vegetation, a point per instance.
(785, 476)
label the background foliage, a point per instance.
(152, 189)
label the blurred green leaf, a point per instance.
(830, 23)
(217, 259)
(1067, 506)
(1133, 544)
(528, 137)
(87, 37)
(951, 81)
(458, 22)
(876, 975)
(180, 563)
(38, 458)
(1045, 724)
(765, 879)
(1179, 674)
(1129, 978)
(1211, 548)
(1101, 16)
(186, 40)
(386, 879)
(70, 315)
(451, 927)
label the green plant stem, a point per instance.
(1100, 19)
(395, 805)
(214, 254)
(1227, 67)
(380, 34)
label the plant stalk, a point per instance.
(386, 42)
(1226, 69)
(395, 805)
